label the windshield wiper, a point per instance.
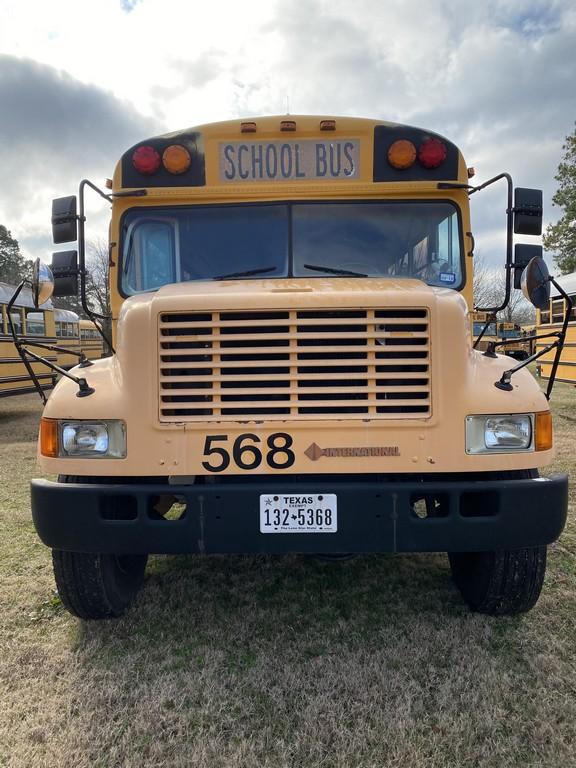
(333, 271)
(247, 273)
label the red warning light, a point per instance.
(146, 160)
(432, 153)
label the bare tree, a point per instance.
(490, 289)
(97, 285)
(488, 284)
(97, 282)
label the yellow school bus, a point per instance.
(33, 324)
(67, 325)
(293, 369)
(479, 320)
(90, 340)
(496, 332)
(549, 321)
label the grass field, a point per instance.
(250, 661)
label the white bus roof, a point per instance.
(568, 283)
(23, 300)
(65, 316)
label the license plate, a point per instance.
(288, 513)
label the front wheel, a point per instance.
(500, 583)
(96, 586)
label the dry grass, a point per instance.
(249, 661)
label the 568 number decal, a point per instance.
(247, 452)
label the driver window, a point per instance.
(152, 258)
(444, 267)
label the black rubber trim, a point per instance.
(476, 515)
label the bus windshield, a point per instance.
(374, 239)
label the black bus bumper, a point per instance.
(408, 516)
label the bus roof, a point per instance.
(284, 149)
(23, 300)
(65, 315)
(568, 283)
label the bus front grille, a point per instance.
(294, 365)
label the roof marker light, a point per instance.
(288, 125)
(402, 154)
(146, 160)
(432, 153)
(176, 159)
(248, 127)
(327, 125)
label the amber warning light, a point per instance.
(49, 437)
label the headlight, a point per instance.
(504, 433)
(84, 439)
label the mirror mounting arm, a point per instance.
(561, 336)
(504, 381)
(509, 239)
(18, 344)
(83, 388)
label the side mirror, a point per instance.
(536, 283)
(64, 220)
(42, 283)
(65, 271)
(523, 255)
(527, 211)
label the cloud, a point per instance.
(495, 77)
(55, 130)
(129, 5)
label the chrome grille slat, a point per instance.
(294, 364)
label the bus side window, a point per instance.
(35, 325)
(557, 310)
(544, 316)
(573, 312)
(17, 321)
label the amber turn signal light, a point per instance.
(402, 154)
(176, 159)
(49, 438)
(543, 437)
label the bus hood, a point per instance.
(325, 292)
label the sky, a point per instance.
(83, 80)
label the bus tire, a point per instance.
(96, 586)
(500, 583)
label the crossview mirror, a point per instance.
(65, 271)
(536, 283)
(42, 283)
(523, 255)
(527, 211)
(64, 220)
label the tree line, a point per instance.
(14, 268)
